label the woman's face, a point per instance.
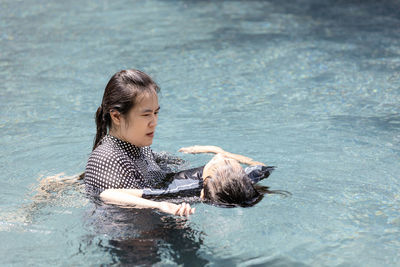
(139, 125)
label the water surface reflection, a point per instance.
(144, 236)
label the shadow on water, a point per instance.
(375, 127)
(144, 237)
(386, 123)
(361, 29)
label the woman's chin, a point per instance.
(148, 143)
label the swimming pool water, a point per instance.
(312, 87)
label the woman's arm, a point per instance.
(132, 197)
(218, 150)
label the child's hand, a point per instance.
(251, 163)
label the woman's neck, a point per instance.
(117, 134)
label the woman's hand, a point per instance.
(183, 209)
(201, 149)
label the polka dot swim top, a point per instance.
(119, 164)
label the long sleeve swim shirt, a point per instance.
(118, 164)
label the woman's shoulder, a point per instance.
(104, 168)
(106, 152)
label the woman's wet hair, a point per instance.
(121, 94)
(230, 187)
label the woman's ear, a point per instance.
(115, 117)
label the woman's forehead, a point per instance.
(147, 100)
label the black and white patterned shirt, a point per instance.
(119, 164)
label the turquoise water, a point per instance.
(312, 87)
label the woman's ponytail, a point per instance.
(101, 126)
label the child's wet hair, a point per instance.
(229, 186)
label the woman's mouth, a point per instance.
(150, 134)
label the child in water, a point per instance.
(221, 181)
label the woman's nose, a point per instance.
(153, 122)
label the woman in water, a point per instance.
(122, 160)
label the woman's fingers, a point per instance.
(184, 210)
(178, 210)
(181, 209)
(189, 210)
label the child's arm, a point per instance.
(218, 150)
